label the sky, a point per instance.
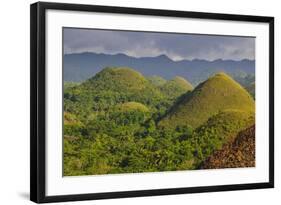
(149, 44)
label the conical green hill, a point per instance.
(117, 79)
(218, 93)
(110, 87)
(176, 87)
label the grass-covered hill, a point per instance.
(113, 86)
(131, 106)
(176, 87)
(119, 79)
(113, 122)
(156, 80)
(218, 93)
(240, 152)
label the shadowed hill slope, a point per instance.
(238, 153)
(218, 93)
(219, 130)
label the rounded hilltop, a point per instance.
(176, 87)
(132, 106)
(182, 82)
(117, 79)
(114, 85)
(217, 93)
(156, 80)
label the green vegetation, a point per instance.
(132, 106)
(68, 85)
(118, 121)
(156, 80)
(112, 86)
(251, 89)
(175, 87)
(218, 130)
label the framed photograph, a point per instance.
(129, 102)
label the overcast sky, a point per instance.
(144, 44)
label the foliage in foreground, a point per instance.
(111, 126)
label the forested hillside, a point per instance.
(120, 121)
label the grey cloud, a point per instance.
(175, 46)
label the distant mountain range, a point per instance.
(81, 66)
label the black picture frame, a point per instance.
(38, 103)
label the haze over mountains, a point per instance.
(80, 66)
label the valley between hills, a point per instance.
(120, 121)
